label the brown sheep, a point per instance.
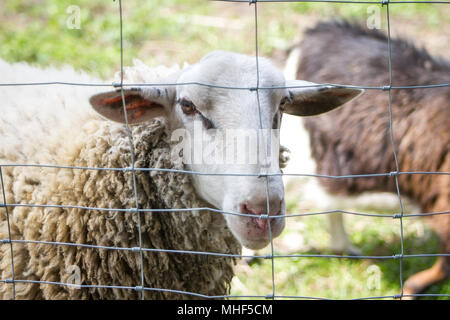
(356, 139)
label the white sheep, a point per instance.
(56, 125)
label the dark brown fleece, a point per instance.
(355, 139)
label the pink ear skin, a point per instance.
(139, 109)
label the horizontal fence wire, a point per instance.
(290, 215)
(382, 2)
(121, 86)
(128, 169)
(115, 85)
(220, 254)
(139, 288)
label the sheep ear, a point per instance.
(140, 106)
(316, 99)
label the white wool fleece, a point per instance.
(54, 124)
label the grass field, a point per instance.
(45, 32)
(174, 31)
(340, 278)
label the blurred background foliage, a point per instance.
(175, 31)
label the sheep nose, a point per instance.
(259, 206)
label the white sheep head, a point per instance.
(207, 116)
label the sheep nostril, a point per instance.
(261, 209)
(245, 208)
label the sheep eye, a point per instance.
(207, 123)
(187, 106)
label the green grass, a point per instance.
(169, 31)
(341, 278)
(174, 31)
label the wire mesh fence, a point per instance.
(136, 210)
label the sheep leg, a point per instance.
(339, 241)
(420, 281)
(441, 225)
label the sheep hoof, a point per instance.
(408, 297)
(354, 251)
(349, 250)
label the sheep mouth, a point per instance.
(255, 233)
(264, 228)
(262, 223)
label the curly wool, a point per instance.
(89, 141)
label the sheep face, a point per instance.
(222, 131)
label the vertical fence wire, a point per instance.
(132, 158)
(391, 134)
(272, 296)
(11, 251)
